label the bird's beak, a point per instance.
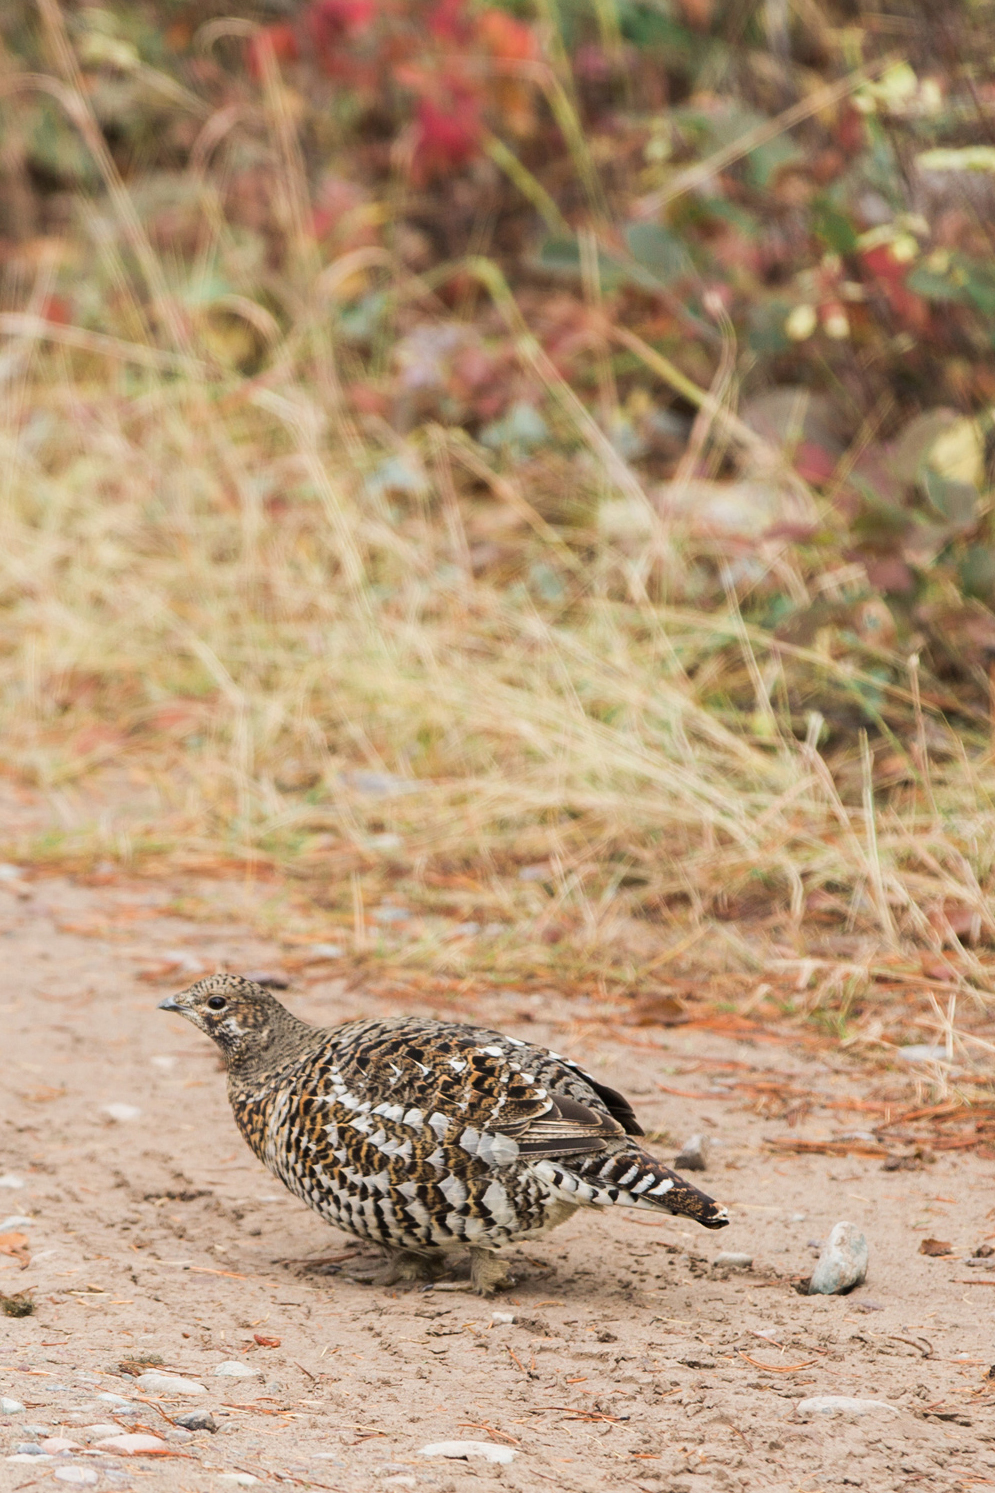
(170, 1004)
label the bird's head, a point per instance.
(248, 1024)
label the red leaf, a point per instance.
(448, 136)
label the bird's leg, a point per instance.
(404, 1265)
(488, 1273)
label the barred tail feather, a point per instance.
(630, 1179)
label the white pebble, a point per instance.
(26, 1457)
(15, 1221)
(132, 1445)
(9, 872)
(9, 1180)
(122, 1112)
(118, 1401)
(243, 1479)
(10, 1407)
(77, 1475)
(98, 1431)
(234, 1370)
(163, 1061)
(923, 1052)
(844, 1405)
(489, 1451)
(733, 1261)
(168, 1384)
(501, 1319)
(326, 950)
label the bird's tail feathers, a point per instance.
(631, 1179)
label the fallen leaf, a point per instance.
(16, 1245)
(266, 1342)
(663, 1009)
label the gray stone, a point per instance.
(693, 1154)
(487, 1451)
(28, 1449)
(235, 1370)
(197, 1420)
(168, 1384)
(843, 1405)
(10, 1407)
(842, 1263)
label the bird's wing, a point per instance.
(491, 1086)
(483, 1083)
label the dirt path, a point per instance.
(631, 1361)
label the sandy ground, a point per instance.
(631, 1362)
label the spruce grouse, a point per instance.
(427, 1136)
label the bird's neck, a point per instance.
(268, 1051)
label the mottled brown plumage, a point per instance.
(424, 1136)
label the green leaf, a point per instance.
(833, 227)
(659, 251)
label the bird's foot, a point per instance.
(488, 1273)
(403, 1265)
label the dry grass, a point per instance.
(216, 608)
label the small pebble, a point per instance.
(168, 1384)
(9, 1180)
(844, 1405)
(385, 842)
(693, 1155)
(326, 950)
(177, 1433)
(122, 1112)
(132, 1445)
(923, 1052)
(99, 1430)
(10, 1407)
(15, 1221)
(79, 1475)
(488, 1451)
(28, 1457)
(55, 1446)
(28, 1449)
(164, 1061)
(197, 1420)
(797, 1218)
(243, 1479)
(501, 1319)
(234, 1370)
(842, 1263)
(732, 1260)
(118, 1401)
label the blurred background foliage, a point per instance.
(580, 408)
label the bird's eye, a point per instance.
(216, 1003)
